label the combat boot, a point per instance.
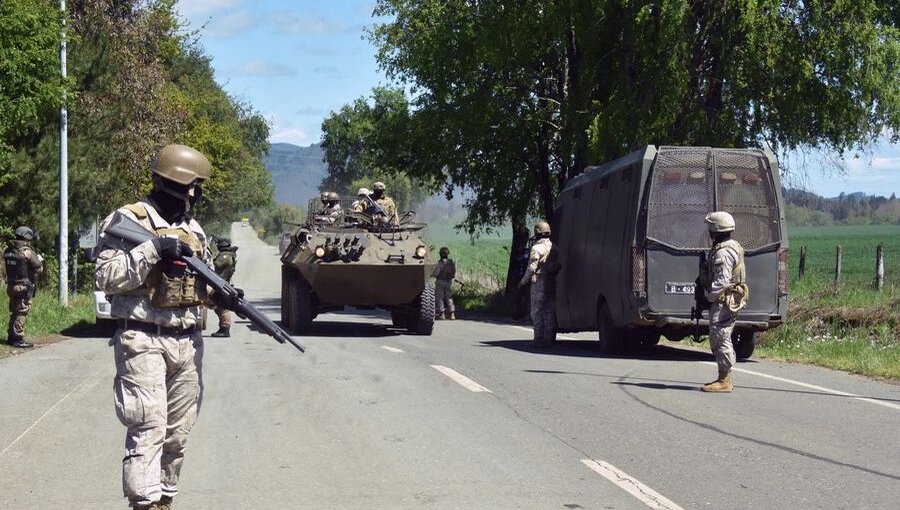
(18, 341)
(439, 317)
(452, 316)
(165, 503)
(222, 333)
(720, 385)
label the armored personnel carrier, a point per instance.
(355, 256)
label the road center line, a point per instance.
(91, 380)
(392, 349)
(462, 380)
(813, 387)
(644, 494)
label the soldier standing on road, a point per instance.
(727, 292)
(23, 265)
(541, 274)
(444, 273)
(224, 264)
(386, 203)
(158, 344)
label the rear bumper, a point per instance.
(752, 322)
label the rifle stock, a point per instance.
(129, 234)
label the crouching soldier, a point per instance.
(726, 287)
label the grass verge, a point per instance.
(48, 322)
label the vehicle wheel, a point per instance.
(421, 322)
(287, 306)
(399, 319)
(648, 338)
(744, 343)
(301, 315)
(612, 338)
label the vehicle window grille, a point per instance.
(688, 183)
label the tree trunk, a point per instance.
(519, 243)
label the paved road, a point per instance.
(370, 418)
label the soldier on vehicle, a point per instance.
(386, 203)
(540, 275)
(224, 264)
(361, 203)
(23, 265)
(725, 283)
(331, 209)
(158, 344)
(444, 273)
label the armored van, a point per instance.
(353, 256)
(630, 234)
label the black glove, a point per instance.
(227, 301)
(171, 248)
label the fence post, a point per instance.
(879, 266)
(802, 261)
(837, 266)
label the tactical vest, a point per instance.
(447, 270)
(737, 294)
(171, 286)
(225, 264)
(16, 264)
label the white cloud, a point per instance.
(194, 9)
(261, 68)
(229, 25)
(307, 24)
(281, 130)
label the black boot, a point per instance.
(222, 333)
(18, 341)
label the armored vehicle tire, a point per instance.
(612, 338)
(299, 304)
(421, 320)
(399, 319)
(744, 343)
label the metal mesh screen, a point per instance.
(684, 188)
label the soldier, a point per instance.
(158, 344)
(444, 273)
(386, 203)
(726, 287)
(541, 274)
(224, 264)
(361, 203)
(23, 265)
(331, 209)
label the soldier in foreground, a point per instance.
(726, 287)
(540, 275)
(23, 264)
(224, 264)
(444, 273)
(158, 344)
(386, 203)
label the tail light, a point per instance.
(783, 271)
(638, 271)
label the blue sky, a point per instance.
(297, 60)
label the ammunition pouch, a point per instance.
(736, 297)
(172, 286)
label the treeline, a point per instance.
(804, 208)
(138, 80)
(510, 100)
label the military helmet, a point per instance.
(541, 227)
(720, 221)
(444, 252)
(181, 164)
(379, 186)
(223, 242)
(24, 233)
(323, 196)
(363, 192)
(333, 196)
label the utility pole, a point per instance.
(63, 174)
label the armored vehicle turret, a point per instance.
(349, 253)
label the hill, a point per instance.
(296, 172)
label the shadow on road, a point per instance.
(591, 349)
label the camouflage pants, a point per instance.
(543, 313)
(443, 294)
(158, 391)
(19, 306)
(224, 316)
(721, 325)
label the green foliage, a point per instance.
(271, 221)
(48, 318)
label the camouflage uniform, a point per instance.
(158, 353)
(22, 267)
(726, 297)
(444, 272)
(543, 306)
(224, 264)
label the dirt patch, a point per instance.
(43, 341)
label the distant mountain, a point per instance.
(296, 172)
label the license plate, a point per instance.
(680, 288)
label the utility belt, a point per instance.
(156, 329)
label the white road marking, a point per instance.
(462, 380)
(813, 387)
(392, 349)
(91, 380)
(644, 494)
(564, 337)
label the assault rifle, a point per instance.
(700, 301)
(129, 233)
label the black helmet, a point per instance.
(223, 243)
(444, 252)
